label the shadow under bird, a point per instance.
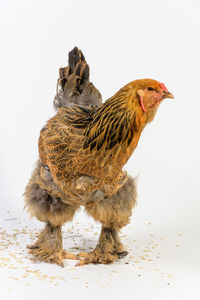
(82, 150)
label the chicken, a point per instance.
(82, 150)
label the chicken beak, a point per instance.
(168, 95)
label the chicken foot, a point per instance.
(108, 249)
(49, 247)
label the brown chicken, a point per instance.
(83, 149)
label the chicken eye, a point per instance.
(150, 89)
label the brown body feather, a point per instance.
(95, 144)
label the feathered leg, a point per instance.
(51, 210)
(113, 213)
(48, 246)
(107, 250)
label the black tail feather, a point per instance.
(74, 84)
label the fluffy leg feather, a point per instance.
(48, 246)
(48, 208)
(113, 213)
(107, 250)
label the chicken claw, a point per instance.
(92, 257)
(96, 257)
(49, 247)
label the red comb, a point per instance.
(163, 87)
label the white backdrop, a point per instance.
(122, 41)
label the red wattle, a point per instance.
(142, 105)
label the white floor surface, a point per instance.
(160, 265)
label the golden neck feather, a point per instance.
(118, 123)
